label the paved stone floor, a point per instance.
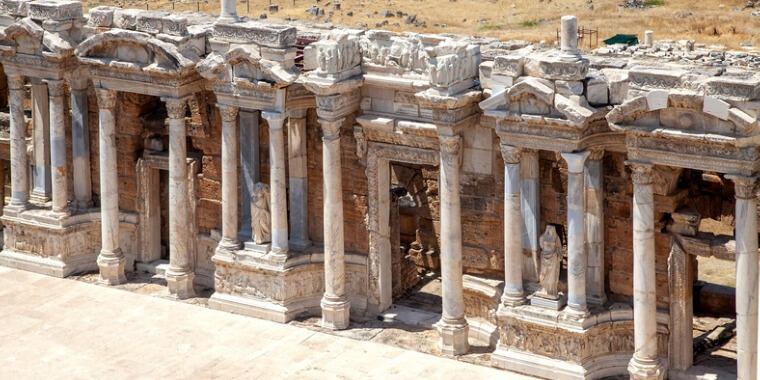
(59, 328)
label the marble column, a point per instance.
(453, 325)
(531, 212)
(228, 12)
(644, 364)
(229, 241)
(513, 258)
(250, 171)
(335, 304)
(41, 140)
(278, 190)
(298, 180)
(58, 162)
(80, 144)
(576, 235)
(746, 276)
(595, 228)
(179, 275)
(569, 36)
(111, 260)
(19, 164)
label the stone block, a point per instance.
(657, 100)
(174, 25)
(62, 10)
(477, 161)
(597, 92)
(17, 8)
(568, 88)
(150, 22)
(715, 107)
(508, 65)
(554, 68)
(484, 74)
(276, 36)
(125, 18)
(102, 16)
(617, 84)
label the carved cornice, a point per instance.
(106, 98)
(229, 113)
(744, 187)
(511, 154)
(56, 88)
(176, 108)
(641, 173)
(451, 150)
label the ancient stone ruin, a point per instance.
(283, 164)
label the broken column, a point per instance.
(569, 36)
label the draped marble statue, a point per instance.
(261, 218)
(551, 260)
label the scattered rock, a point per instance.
(411, 18)
(273, 8)
(386, 13)
(263, 16)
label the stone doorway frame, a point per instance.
(149, 208)
(379, 158)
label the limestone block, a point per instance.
(572, 108)
(554, 68)
(150, 22)
(484, 74)
(657, 100)
(617, 84)
(125, 18)
(508, 65)
(499, 82)
(309, 58)
(744, 122)
(276, 36)
(568, 88)
(101, 16)
(174, 25)
(17, 8)
(716, 107)
(597, 92)
(55, 10)
(477, 161)
(57, 26)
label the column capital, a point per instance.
(595, 154)
(451, 149)
(15, 81)
(575, 161)
(510, 154)
(175, 108)
(275, 120)
(229, 113)
(106, 98)
(299, 113)
(331, 128)
(744, 187)
(641, 172)
(56, 88)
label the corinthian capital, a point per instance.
(15, 82)
(641, 173)
(56, 88)
(451, 150)
(744, 187)
(176, 108)
(229, 113)
(510, 154)
(331, 128)
(106, 98)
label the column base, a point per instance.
(513, 300)
(227, 19)
(299, 245)
(180, 284)
(229, 245)
(645, 369)
(111, 266)
(453, 337)
(335, 313)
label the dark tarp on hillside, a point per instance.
(628, 39)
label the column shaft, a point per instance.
(595, 228)
(277, 183)
(80, 144)
(41, 140)
(179, 276)
(229, 178)
(298, 181)
(111, 260)
(576, 235)
(58, 162)
(19, 165)
(531, 212)
(250, 171)
(513, 223)
(335, 304)
(229, 11)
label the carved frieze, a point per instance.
(276, 36)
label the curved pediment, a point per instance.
(244, 65)
(28, 37)
(677, 112)
(136, 51)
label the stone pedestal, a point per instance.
(111, 260)
(576, 235)
(41, 140)
(19, 165)
(277, 184)
(58, 162)
(179, 275)
(80, 144)
(298, 180)
(513, 258)
(452, 326)
(229, 241)
(644, 364)
(335, 304)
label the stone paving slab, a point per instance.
(57, 328)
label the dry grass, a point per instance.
(711, 21)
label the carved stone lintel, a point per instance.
(331, 128)
(744, 187)
(451, 150)
(229, 113)
(15, 82)
(176, 108)
(106, 98)
(511, 154)
(56, 88)
(641, 173)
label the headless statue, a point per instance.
(551, 258)
(261, 218)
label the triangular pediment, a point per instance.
(27, 37)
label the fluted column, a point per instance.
(80, 144)
(41, 141)
(746, 276)
(513, 286)
(576, 235)
(452, 326)
(595, 227)
(111, 259)
(277, 184)
(179, 275)
(644, 364)
(229, 240)
(298, 180)
(19, 164)
(58, 162)
(335, 304)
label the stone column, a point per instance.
(111, 259)
(228, 12)
(576, 235)
(569, 36)
(41, 140)
(298, 181)
(644, 364)
(250, 171)
(746, 276)
(335, 304)
(229, 240)
(452, 326)
(595, 228)
(58, 162)
(179, 275)
(277, 184)
(80, 144)
(531, 213)
(513, 258)
(648, 38)
(19, 164)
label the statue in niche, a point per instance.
(261, 218)
(551, 258)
